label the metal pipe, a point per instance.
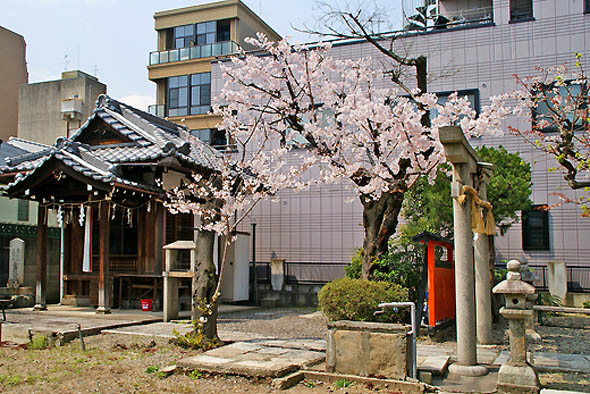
(254, 276)
(414, 327)
(81, 338)
(61, 261)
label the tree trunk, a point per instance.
(203, 286)
(380, 218)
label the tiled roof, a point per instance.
(149, 140)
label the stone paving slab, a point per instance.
(434, 364)
(553, 361)
(485, 354)
(252, 359)
(62, 322)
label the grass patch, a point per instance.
(343, 383)
(39, 342)
(152, 369)
(11, 380)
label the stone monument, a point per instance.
(16, 263)
(557, 278)
(517, 375)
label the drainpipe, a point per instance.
(414, 332)
(61, 261)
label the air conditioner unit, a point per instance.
(71, 109)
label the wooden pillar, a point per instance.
(41, 271)
(104, 305)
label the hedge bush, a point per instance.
(357, 299)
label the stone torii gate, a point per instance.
(472, 281)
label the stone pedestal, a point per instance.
(277, 274)
(170, 298)
(368, 349)
(517, 375)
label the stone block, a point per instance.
(557, 278)
(368, 349)
(277, 274)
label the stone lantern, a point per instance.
(517, 375)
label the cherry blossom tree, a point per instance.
(222, 199)
(348, 118)
(556, 101)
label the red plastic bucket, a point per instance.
(146, 305)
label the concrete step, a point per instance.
(270, 301)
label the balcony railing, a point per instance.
(158, 110)
(196, 52)
(450, 20)
(162, 111)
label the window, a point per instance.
(187, 36)
(184, 36)
(586, 6)
(200, 93)
(212, 137)
(223, 30)
(547, 109)
(23, 211)
(521, 10)
(471, 94)
(535, 228)
(178, 96)
(123, 236)
(194, 89)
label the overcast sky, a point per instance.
(112, 38)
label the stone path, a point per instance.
(553, 361)
(258, 359)
(61, 323)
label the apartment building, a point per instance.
(473, 47)
(189, 40)
(14, 73)
(52, 109)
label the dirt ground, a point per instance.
(129, 364)
(125, 364)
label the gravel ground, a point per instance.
(279, 323)
(561, 334)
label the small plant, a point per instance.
(194, 339)
(343, 383)
(586, 304)
(38, 342)
(152, 369)
(308, 383)
(195, 374)
(548, 299)
(161, 374)
(358, 299)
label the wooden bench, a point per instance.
(540, 309)
(5, 304)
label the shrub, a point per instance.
(586, 304)
(402, 266)
(358, 299)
